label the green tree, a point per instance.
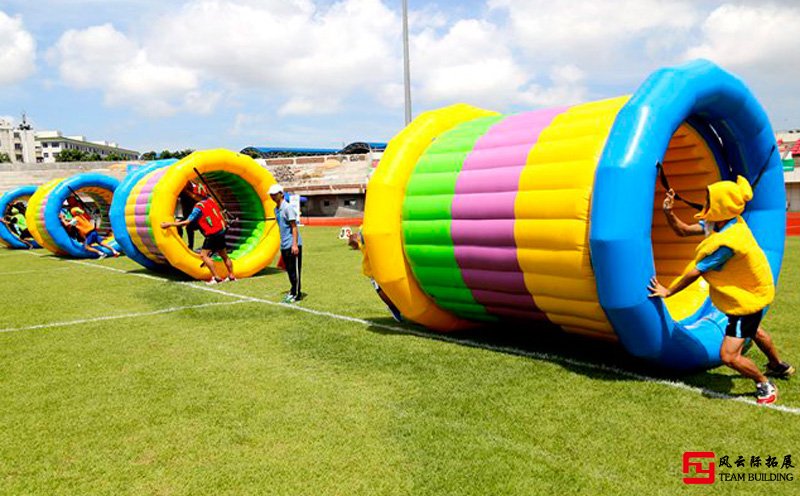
(165, 154)
(4, 158)
(114, 157)
(151, 155)
(183, 153)
(93, 157)
(71, 155)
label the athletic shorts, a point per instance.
(25, 234)
(93, 238)
(215, 242)
(744, 326)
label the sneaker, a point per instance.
(782, 370)
(117, 254)
(214, 281)
(102, 256)
(766, 392)
(289, 298)
(396, 315)
(230, 278)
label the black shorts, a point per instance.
(744, 326)
(25, 234)
(215, 242)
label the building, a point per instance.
(53, 142)
(19, 142)
(333, 183)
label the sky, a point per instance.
(157, 74)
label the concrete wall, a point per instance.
(14, 175)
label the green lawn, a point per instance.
(253, 398)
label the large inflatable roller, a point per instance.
(9, 198)
(554, 215)
(94, 192)
(150, 197)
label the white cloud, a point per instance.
(750, 36)
(17, 50)
(101, 57)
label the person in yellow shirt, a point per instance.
(739, 277)
(86, 228)
(356, 242)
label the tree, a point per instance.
(114, 157)
(4, 157)
(183, 153)
(151, 155)
(165, 154)
(93, 157)
(71, 155)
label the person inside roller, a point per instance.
(207, 216)
(84, 224)
(17, 224)
(739, 278)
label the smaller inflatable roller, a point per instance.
(92, 192)
(150, 196)
(9, 236)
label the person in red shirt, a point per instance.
(207, 217)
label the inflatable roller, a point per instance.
(44, 207)
(23, 194)
(555, 215)
(117, 212)
(151, 195)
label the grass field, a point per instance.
(114, 380)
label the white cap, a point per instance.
(275, 189)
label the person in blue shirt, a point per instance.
(716, 261)
(291, 242)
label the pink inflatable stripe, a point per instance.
(483, 214)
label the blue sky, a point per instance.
(231, 73)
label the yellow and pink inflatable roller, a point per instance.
(555, 214)
(149, 196)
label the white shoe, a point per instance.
(214, 281)
(102, 256)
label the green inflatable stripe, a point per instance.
(427, 219)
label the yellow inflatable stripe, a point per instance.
(383, 215)
(33, 216)
(564, 159)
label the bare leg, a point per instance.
(764, 343)
(206, 256)
(93, 250)
(227, 260)
(731, 355)
(104, 245)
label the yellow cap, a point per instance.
(726, 200)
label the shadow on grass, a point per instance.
(593, 358)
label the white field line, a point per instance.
(467, 342)
(122, 316)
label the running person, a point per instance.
(86, 228)
(207, 216)
(291, 242)
(738, 274)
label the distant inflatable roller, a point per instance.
(149, 196)
(23, 194)
(555, 215)
(47, 202)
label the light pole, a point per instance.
(406, 64)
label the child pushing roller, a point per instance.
(739, 277)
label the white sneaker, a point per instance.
(102, 256)
(214, 281)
